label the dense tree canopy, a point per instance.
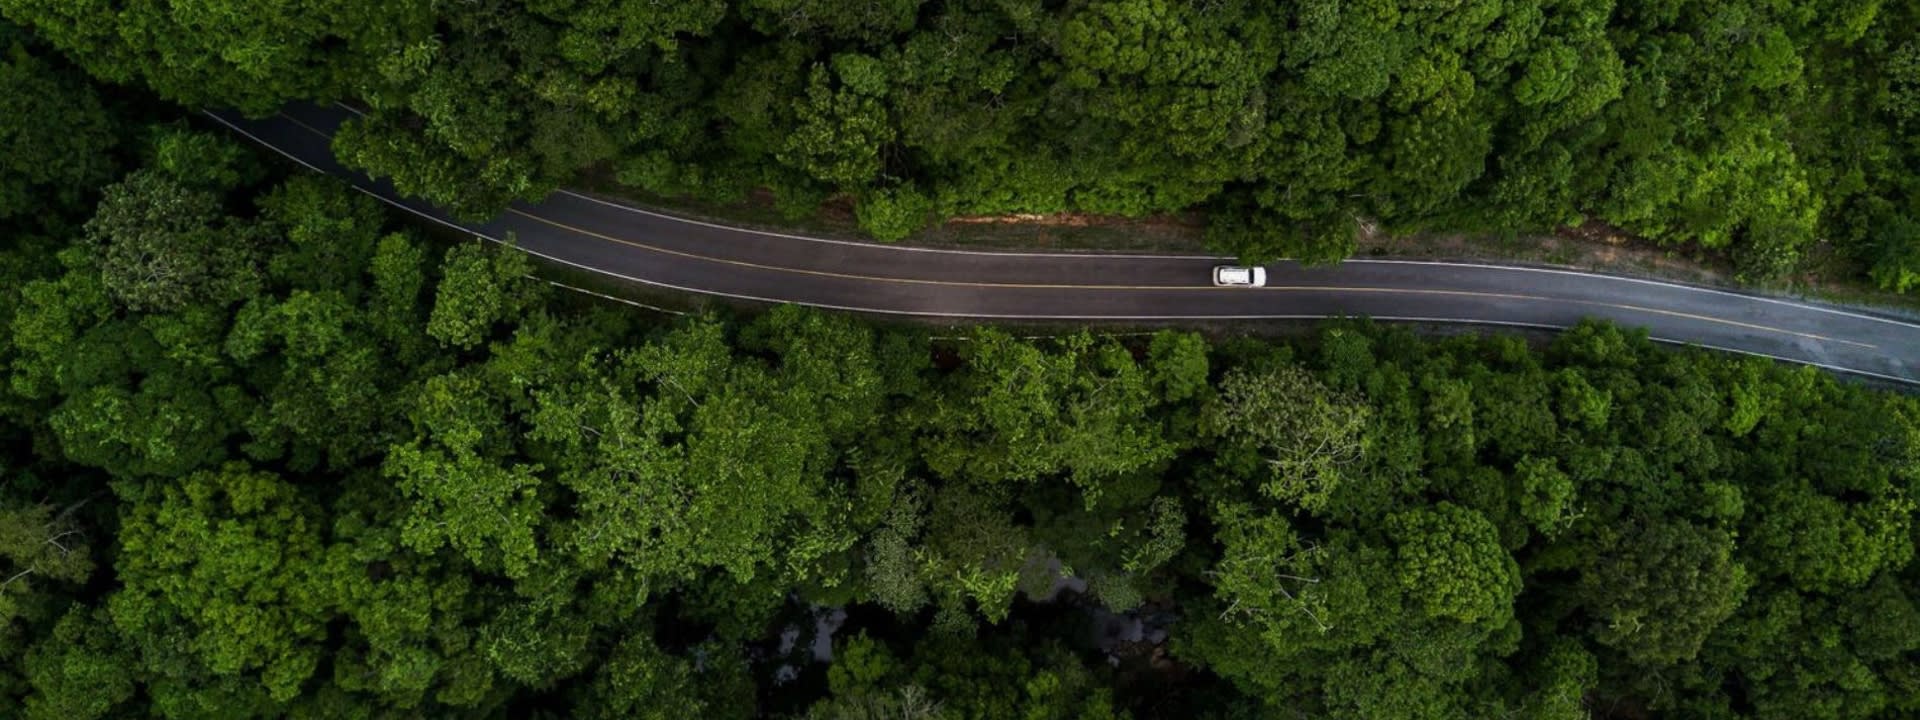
(265, 452)
(1757, 130)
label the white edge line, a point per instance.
(604, 296)
(1643, 281)
(1115, 318)
(1125, 318)
(1218, 258)
(270, 146)
(1810, 363)
(1124, 256)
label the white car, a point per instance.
(1236, 275)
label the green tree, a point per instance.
(641, 681)
(42, 545)
(1021, 412)
(1898, 265)
(164, 247)
(222, 571)
(56, 138)
(842, 125)
(1662, 589)
(465, 495)
(1452, 565)
(1546, 495)
(82, 669)
(479, 288)
(1304, 434)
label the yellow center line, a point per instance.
(1200, 288)
(1174, 288)
(308, 128)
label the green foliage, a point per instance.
(202, 160)
(1545, 495)
(1303, 433)
(1898, 266)
(1664, 588)
(641, 681)
(1166, 533)
(478, 289)
(1752, 131)
(1179, 365)
(484, 511)
(1259, 236)
(225, 563)
(1452, 565)
(42, 546)
(894, 214)
(79, 670)
(842, 124)
(323, 467)
(893, 561)
(1018, 412)
(56, 139)
(162, 246)
(870, 22)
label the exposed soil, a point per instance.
(1590, 246)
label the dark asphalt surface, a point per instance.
(659, 250)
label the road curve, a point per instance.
(663, 251)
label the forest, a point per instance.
(1781, 136)
(267, 451)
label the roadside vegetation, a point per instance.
(267, 452)
(1763, 132)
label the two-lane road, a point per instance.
(659, 250)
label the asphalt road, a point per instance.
(659, 250)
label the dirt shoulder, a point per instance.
(1594, 246)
